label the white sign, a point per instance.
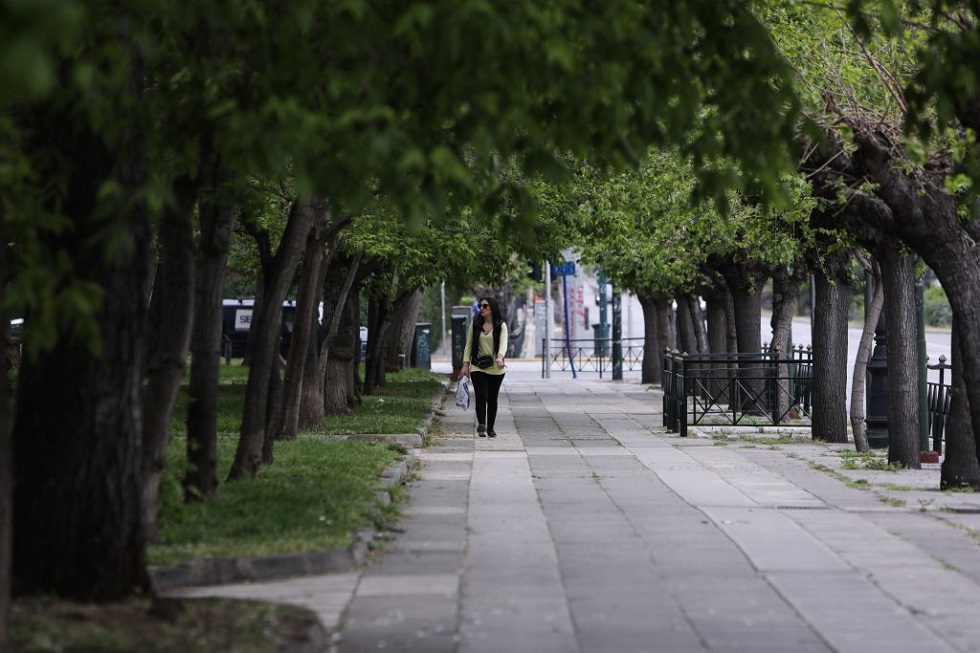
(243, 319)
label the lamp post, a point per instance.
(617, 335)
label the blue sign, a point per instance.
(566, 268)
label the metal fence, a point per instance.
(937, 396)
(737, 389)
(591, 355)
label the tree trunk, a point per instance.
(717, 299)
(731, 335)
(697, 321)
(898, 283)
(786, 288)
(339, 390)
(374, 371)
(78, 522)
(338, 292)
(264, 336)
(927, 220)
(171, 320)
(685, 326)
(830, 351)
(655, 327)
(960, 466)
(217, 226)
(273, 406)
(6, 451)
(747, 304)
(858, 381)
(746, 291)
(303, 331)
(401, 333)
(311, 398)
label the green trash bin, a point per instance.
(460, 318)
(421, 356)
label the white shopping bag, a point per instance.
(463, 393)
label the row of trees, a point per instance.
(136, 138)
(886, 174)
(368, 149)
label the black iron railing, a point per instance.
(937, 393)
(737, 389)
(591, 355)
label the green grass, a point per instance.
(753, 439)
(895, 503)
(397, 409)
(317, 494)
(961, 489)
(898, 487)
(867, 460)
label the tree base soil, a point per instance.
(163, 626)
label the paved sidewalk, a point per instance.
(585, 528)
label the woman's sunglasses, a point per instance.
(484, 305)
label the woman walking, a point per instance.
(483, 362)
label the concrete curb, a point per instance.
(222, 571)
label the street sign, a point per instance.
(563, 269)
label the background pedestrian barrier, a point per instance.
(737, 389)
(938, 397)
(591, 355)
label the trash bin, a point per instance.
(421, 356)
(460, 318)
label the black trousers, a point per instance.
(487, 388)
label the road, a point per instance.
(937, 344)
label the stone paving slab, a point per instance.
(585, 527)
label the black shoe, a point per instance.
(492, 433)
(481, 430)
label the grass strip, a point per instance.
(317, 494)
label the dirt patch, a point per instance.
(42, 625)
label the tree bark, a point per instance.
(731, 335)
(686, 334)
(303, 330)
(747, 303)
(379, 307)
(403, 330)
(217, 226)
(745, 284)
(339, 291)
(898, 283)
(655, 330)
(6, 451)
(830, 351)
(960, 466)
(78, 522)
(697, 321)
(872, 313)
(171, 320)
(380, 321)
(264, 336)
(786, 287)
(717, 299)
(339, 372)
(927, 220)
